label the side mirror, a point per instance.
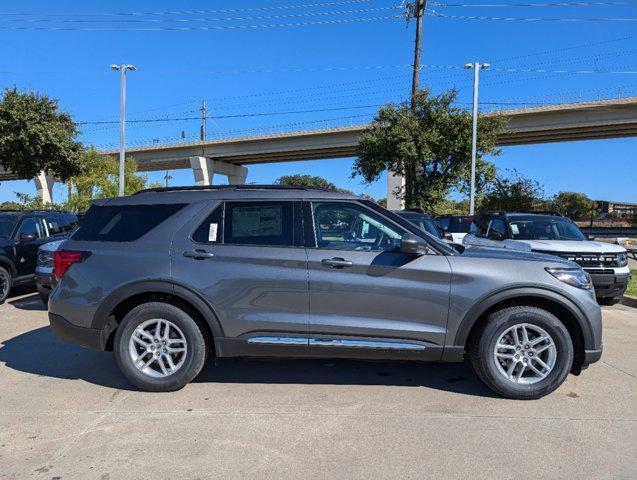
(448, 236)
(412, 244)
(27, 237)
(497, 236)
(590, 237)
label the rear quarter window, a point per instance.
(122, 223)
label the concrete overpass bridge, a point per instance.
(229, 156)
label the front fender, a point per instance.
(544, 292)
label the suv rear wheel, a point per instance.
(159, 347)
(522, 352)
(5, 284)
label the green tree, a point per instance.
(513, 192)
(36, 136)
(574, 205)
(430, 144)
(311, 181)
(99, 178)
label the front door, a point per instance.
(247, 259)
(367, 299)
(27, 249)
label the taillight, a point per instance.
(65, 258)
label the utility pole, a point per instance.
(419, 11)
(122, 122)
(474, 134)
(167, 177)
(203, 121)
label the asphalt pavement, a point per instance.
(67, 413)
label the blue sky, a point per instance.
(350, 64)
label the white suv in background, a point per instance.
(554, 234)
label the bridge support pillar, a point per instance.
(395, 183)
(204, 169)
(44, 187)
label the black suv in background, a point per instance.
(21, 234)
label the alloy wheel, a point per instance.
(525, 354)
(157, 348)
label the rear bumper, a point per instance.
(610, 285)
(85, 337)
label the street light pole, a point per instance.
(474, 134)
(122, 122)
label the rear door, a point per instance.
(247, 259)
(367, 299)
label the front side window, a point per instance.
(32, 226)
(497, 229)
(260, 223)
(347, 226)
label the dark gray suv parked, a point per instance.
(167, 277)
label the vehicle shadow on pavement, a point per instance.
(451, 377)
(31, 303)
(40, 352)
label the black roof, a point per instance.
(522, 214)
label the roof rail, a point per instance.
(555, 214)
(229, 187)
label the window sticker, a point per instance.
(514, 229)
(212, 232)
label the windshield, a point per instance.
(7, 224)
(544, 228)
(423, 222)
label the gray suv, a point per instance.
(167, 277)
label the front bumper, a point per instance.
(592, 356)
(609, 284)
(85, 337)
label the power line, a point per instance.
(545, 4)
(202, 28)
(434, 13)
(245, 115)
(191, 12)
(198, 20)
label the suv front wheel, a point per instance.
(5, 284)
(159, 347)
(522, 352)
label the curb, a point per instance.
(629, 301)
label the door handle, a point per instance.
(336, 262)
(198, 254)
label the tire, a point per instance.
(531, 386)
(609, 300)
(45, 299)
(5, 284)
(152, 379)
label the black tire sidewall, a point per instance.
(505, 319)
(7, 276)
(195, 353)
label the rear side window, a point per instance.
(122, 223)
(211, 230)
(260, 223)
(53, 224)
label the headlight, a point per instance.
(575, 277)
(622, 259)
(45, 259)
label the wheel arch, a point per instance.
(556, 303)
(9, 265)
(122, 300)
